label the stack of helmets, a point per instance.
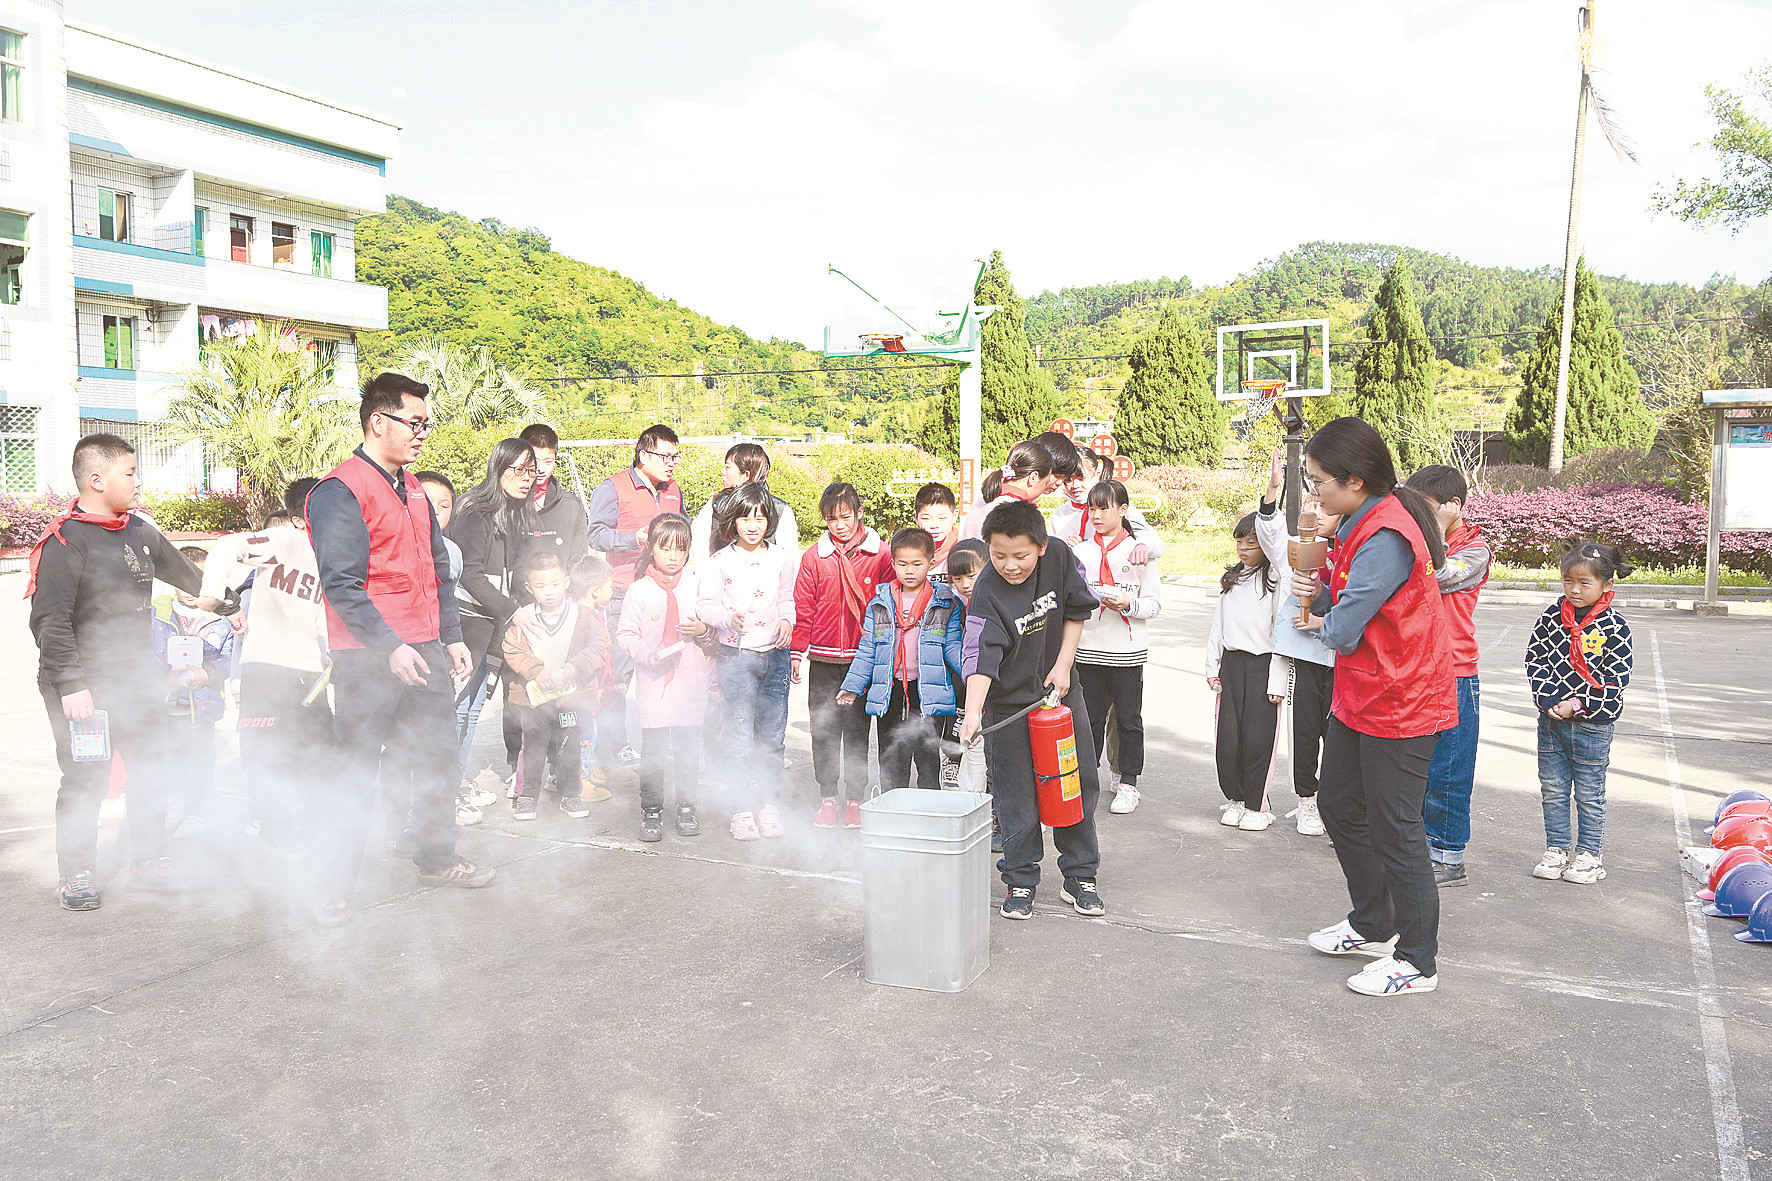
(1741, 883)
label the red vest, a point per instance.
(1461, 608)
(635, 509)
(402, 578)
(1398, 683)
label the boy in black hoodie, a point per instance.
(92, 578)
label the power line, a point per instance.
(562, 380)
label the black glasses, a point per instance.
(420, 427)
(522, 471)
(664, 456)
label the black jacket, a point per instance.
(563, 523)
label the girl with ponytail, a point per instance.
(1025, 475)
(1394, 693)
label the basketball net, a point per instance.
(1264, 397)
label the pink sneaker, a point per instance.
(852, 815)
(744, 827)
(769, 821)
(827, 814)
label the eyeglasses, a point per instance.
(420, 427)
(1312, 486)
(522, 471)
(665, 457)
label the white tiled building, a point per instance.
(148, 202)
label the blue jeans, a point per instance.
(468, 704)
(1447, 810)
(754, 688)
(1572, 756)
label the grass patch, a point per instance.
(1198, 551)
(1552, 578)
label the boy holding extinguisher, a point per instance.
(1022, 628)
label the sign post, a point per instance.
(1740, 477)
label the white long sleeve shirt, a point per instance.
(1243, 620)
(285, 619)
(1110, 637)
(744, 595)
(1270, 531)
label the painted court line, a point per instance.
(1719, 1068)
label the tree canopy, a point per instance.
(1168, 412)
(1394, 373)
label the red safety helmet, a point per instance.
(1744, 808)
(1739, 855)
(1743, 830)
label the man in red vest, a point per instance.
(621, 511)
(395, 636)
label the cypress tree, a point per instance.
(1394, 376)
(1168, 412)
(1020, 398)
(1605, 407)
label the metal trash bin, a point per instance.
(925, 884)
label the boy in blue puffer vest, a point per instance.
(906, 662)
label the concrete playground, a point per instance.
(697, 1008)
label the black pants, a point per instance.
(839, 733)
(1011, 759)
(1122, 688)
(1247, 726)
(1372, 793)
(547, 745)
(140, 732)
(906, 735)
(1313, 687)
(285, 747)
(415, 725)
(673, 751)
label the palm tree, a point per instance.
(467, 386)
(263, 407)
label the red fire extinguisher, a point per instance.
(1060, 788)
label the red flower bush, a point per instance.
(1651, 525)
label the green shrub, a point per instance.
(869, 467)
(200, 512)
(1617, 465)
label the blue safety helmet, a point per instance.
(1740, 891)
(1735, 797)
(1759, 922)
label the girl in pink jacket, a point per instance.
(674, 668)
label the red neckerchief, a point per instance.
(855, 596)
(1009, 489)
(904, 661)
(71, 513)
(1577, 657)
(945, 546)
(669, 583)
(1107, 542)
(541, 489)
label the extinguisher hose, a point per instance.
(1049, 701)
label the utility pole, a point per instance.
(1585, 23)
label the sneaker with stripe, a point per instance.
(1342, 939)
(1391, 977)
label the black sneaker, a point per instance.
(1018, 903)
(463, 873)
(1449, 875)
(996, 838)
(687, 825)
(79, 892)
(575, 807)
(652, 825)
(523, 808)
(628, 757)
(1082, 896)
(153, 875)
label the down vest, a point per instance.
(938, 651)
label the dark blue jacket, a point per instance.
(938, 650)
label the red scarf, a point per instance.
(945, 547)
(72, 513)
(1106, 543)
(669, 583)
(904, 661)
(1009, 489)
(1577, 656)
(855, 596)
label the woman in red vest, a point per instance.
(1394, 693)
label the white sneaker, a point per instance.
(1125, 799)
(476, 795)
(1391, 977)
(1552, 866)
(1585, 870)
(196, 827)
(1342, 939)
(466, 813)
(1255, 821)
(1231, 815)
(1310, 821)
(511, 786)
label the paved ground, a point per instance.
(698, 1010)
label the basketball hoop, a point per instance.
(1264, 395)
(890, 342)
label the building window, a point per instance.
(113, 215)
(119, 342)
(240, 238)
(199, 223)
(14, 242)
(282, 244)
(322, 247)
(12, 77)
(18, 449)
(326, 359)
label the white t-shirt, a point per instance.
(285, 620)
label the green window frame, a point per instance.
(113, 215)
(321, 245)
(199, 223)
(15, 243)
(18, 449)
(12, 77)
(119, 342)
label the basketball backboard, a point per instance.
(1295, 351)
(902, 306)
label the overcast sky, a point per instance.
(723, 153)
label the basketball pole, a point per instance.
(1295, 440)
(972, 411)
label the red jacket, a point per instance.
(402, 576)
(1398, 683)
(1467, 559)
(823, 625)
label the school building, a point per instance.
(149, 203)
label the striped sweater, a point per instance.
(1552, 675)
